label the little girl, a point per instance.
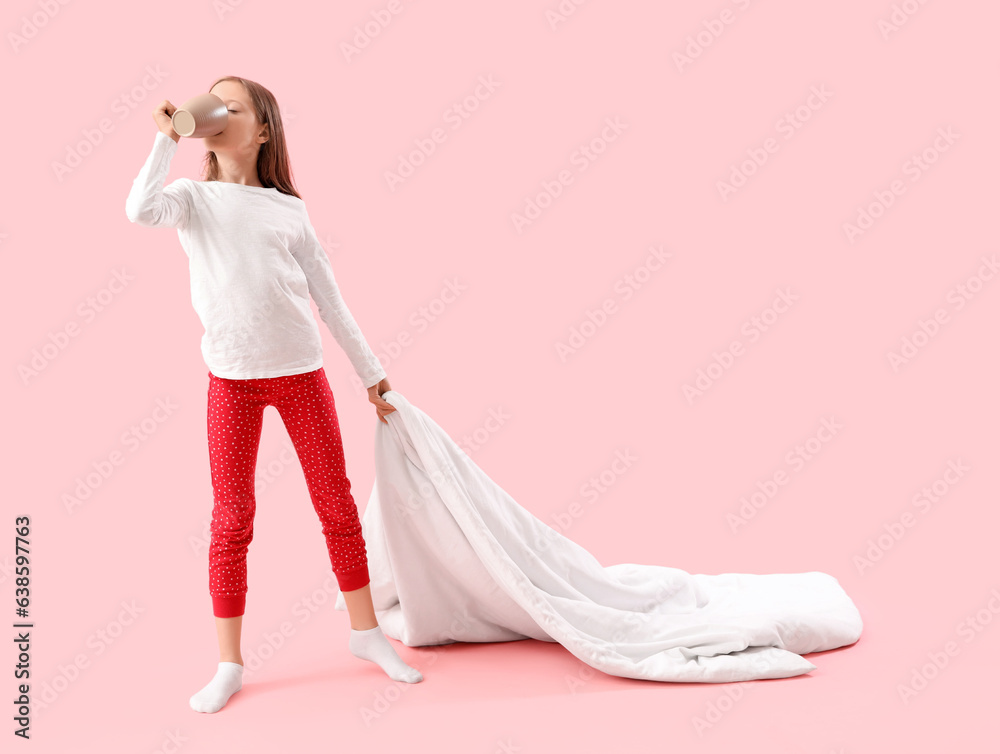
(255, 260)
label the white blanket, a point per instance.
(452, 557)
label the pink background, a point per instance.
(140, 539)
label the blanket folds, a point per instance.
(452, 557)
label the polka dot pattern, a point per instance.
(235, 417)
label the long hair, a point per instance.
(273, 166)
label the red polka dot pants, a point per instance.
(235, 417)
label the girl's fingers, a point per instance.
(382, 407)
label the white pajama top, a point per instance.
(254, 261)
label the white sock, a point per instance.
(227, 681)
(372, 645)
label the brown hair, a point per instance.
(273, 166)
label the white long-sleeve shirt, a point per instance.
(254, 262)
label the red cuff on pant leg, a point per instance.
(352, 580)
(229, 607)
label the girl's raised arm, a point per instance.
(149, 202)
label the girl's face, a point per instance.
(243, 132)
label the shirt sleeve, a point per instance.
(152, 204)
(312, 258)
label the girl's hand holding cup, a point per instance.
(163, 117)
